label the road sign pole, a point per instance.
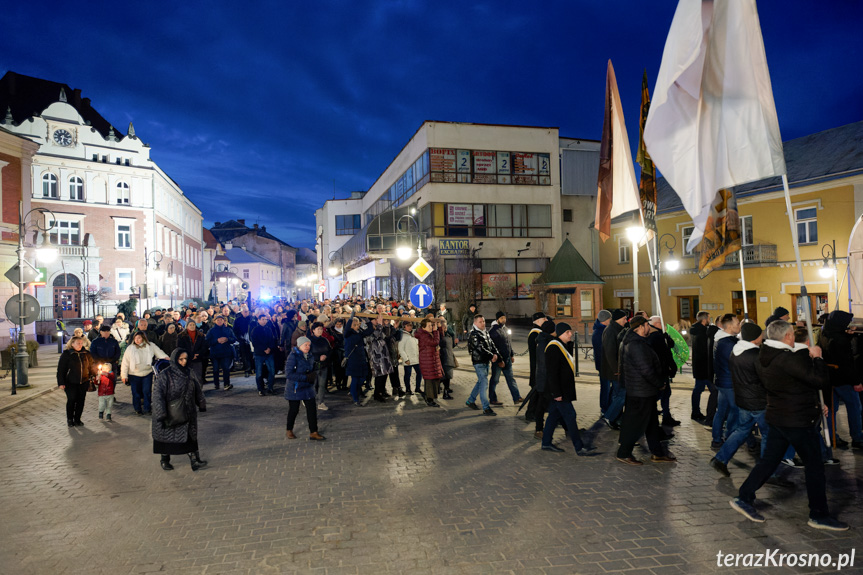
(22, 358)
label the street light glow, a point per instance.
(333, 271)
(404, 253)
(635, 233)
(672, 265)
(826, 271)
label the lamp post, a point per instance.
(635, 234)
(170, 281)
(45, 253)
(404, 251)
(828, 252)
(672, 264)
(157, 257)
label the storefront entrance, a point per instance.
(67, 296)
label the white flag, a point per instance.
(712, 122)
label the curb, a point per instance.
(29, 397)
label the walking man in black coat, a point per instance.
(702, 365)
(560, 370)
(641, 374)
(538, 319)
(794, 412)
(610, 369)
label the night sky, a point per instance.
(261, 110)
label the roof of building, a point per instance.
(25, 97)
(241, 256)
(306, 256)
(819, 157)
(210, 241)
(227, 231)
(568, 267)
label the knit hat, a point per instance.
(780, 311)
(749, 331)
(302, 341)
(105, 327)
(547, 327)
(637, 322)
(604, 315)
(617, 314)
(561, 328)
(499, 315)
(88, 322)
(537, 315)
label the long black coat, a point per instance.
(662, 344)
(541, 372)
(199, 347)
(792, 380)
(702, 350)
(610, 351)
(172, 383)
(560, 380)
(640, 368)
(838, 354)
(75, 367)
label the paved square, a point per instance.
(396, 488)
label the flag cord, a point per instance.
(803, 294)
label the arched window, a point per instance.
(76, 188)
(49, 185)
(123, 193)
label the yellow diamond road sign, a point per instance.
(421, 269)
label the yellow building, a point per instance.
(825, 173)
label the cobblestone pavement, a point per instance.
(396, 488)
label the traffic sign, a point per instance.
(344, 287)
(421, 296)
(31, 309)
(31, 274)
(421, 269)
(321, 287)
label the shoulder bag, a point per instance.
(176, 413)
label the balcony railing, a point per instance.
(756, 254)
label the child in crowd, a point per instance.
(107, 380)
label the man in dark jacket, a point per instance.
(610, 368)
(780, 313)
(749, 394)
(538, 319)
(641, 373)
(794, 409)
(500, 336)
(482, 351)
(835, 341)
(661, 343)
(560, 370)
(541, 388)
(264, 342)
(221, 338)
(242, 324)
(105, 348)
(726, 409)
(702, 333)
(602, 321)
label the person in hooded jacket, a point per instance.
(544, 337)
(794, 409)
(603, 318)
(835, 341)
(301, 376)
(662, 344)
(356, 362)
(220, 339)
(322, 353)
(75, 370)
(176, 381)
(726, 408)
(701, 333)
(610, 367)
(428, 338)
(169, 340)
(448, 341)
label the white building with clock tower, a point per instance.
(116, 213)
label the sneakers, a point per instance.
(323, 407)
(667, 458)
(669, 422)
(610, 424)
(552, 447)
(828, 524)
(747, 510)
(829, 461)
(719, 466)
(586, 451)
(714, 445)
(793, 463)
(229, 386)
(630, 460)
(488, 411)
(470, 404)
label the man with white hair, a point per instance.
(662, 344)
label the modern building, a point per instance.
(122, 225)
(486, 204)
(308, 278)
(825, 176)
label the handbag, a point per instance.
(345, 360)
(176, 413)
(92, 385)
(455, 361)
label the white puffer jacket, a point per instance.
(120, 331)
(409, 350)
(138, 361)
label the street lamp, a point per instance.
(635, 235)
(156, 256)
(404, 251)
(672, 264)
(45, 253)
(333, 269)
(829, 268)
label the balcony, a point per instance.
(753, 255)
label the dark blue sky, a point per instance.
(259, 109)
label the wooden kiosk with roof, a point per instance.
(569, 290)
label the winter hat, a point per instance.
(88, 322)
(499, 315)
(780, 311)
(637, 322)
(617, 314)
(547, 327)
(302, 341)
(604, 315)
(561, 328)
(537, 315)
(749, 331)
(105, 327)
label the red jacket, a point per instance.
(106, 383)
(430, 366)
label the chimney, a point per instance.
(255, 226)
(242, 222)
(229, 246)
(263, 228)
(76, 95)
(86, 102)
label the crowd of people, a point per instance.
(762, 384)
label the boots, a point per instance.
(166, 463)
(100, 414)
(316, 436)
(195, 460)
(108, 417)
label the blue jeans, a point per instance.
(746, 421)
(851, 399)
(481, 386)
(142, 388)
(356, 384)
(260, 361)
(416, 369)
(604, 394)
(618, 400)
(697, 390)
(725, 408)
(222, 365)
(564, 410)
(510, 380)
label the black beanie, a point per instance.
(561, 328)
(499, 315)
(749, 331)
(780, 311)
(547, 327)
(537, 315)
(617, 314)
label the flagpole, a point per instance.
(634, 277)
(655, 282)
(803, 294)
(743, 281)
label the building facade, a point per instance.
(121, 224)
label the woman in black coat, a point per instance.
(172, 383)
(194, 342)
(74, 371)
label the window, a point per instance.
(124, 236)
(76, 188)
(49, 186)
(623, 250)
(123, 193)
(746, 236)
(492, 220)
(128, 162)
(245, 274)
(587, 303)
(119, 161)
(104, 159)
(567, 215)
(348, 225)
(95, 157)
(66, 233)
(124, 280)
(807, 225)
(687, 233)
